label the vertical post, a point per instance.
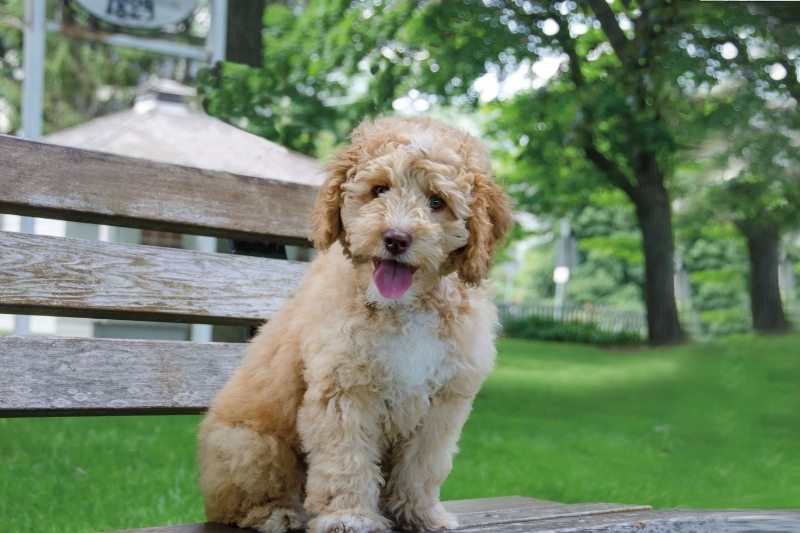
(22, 323)
(203, 332)
(562, 270)
(32, 103)
(33, 56)
(215, 43)
(217, 33)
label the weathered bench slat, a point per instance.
(494, 513)
(72, 277)
(662, 521)
(538, 515)
(57, 376)
(538, 511)
(575, 518)
(39, 179)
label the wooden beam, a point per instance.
(71, 277)
(44, 180)
(57, 376)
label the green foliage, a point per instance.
(546, 176)
(610, 270)
(534, 280)
(614, 116)
(718, 288)
(722, 320)
(715, 257)
(547, 329)
(10, 63)
(316, 76)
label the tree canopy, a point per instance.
(579, 96)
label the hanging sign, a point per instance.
(149, 14)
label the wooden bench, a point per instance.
(51, 376)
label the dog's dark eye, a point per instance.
(435, 203)
(378, 190)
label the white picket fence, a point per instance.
(604, 318)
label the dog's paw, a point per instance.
(282, 519)
(348, 522)
(434, 518)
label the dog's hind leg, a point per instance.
(249, 478)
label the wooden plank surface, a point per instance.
(667, 521)
(501, 512)
(39, 179)
(486, 514)
(62, 376)
(576, 518)
(71, 277)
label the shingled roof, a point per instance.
(162, 127)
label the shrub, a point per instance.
(726, 321)
(534, 327)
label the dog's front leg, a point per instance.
(341, 435)
(423, 463)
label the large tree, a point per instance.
(760, 193)
(750, 120)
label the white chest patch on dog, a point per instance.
(415, 359)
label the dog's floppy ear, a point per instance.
(327, 222)
(488, 224)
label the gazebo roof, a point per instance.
(162, 127)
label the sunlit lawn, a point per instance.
(703, 425)
(714, 425)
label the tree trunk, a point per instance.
(245, 23)
(655, 221)
(765, 297)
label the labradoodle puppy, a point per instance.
(345, 412)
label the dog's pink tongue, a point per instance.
(392, 278)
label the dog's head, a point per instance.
(412, 195)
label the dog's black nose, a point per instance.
(396, 241)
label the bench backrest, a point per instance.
(70, 277)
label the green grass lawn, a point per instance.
(702, 425)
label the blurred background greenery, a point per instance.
(663, 134)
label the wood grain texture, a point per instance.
(56, 376)
(541, 515)
(71, 277)
(536, 509)
(667, 521)
(39, 179)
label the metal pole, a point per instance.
(33, 83)
(22, 323)
(215, 43)
(203, 332)
(32, 103)
(218, 32)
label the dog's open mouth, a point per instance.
(393, 279)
